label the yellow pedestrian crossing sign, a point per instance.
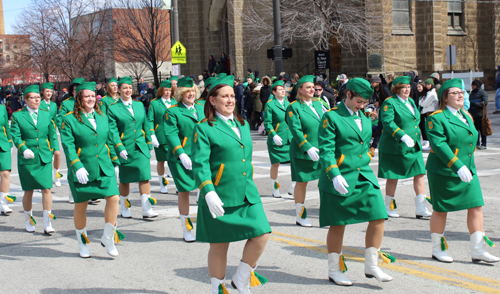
(178, 53)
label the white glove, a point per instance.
(277, 140)
(186, 161)
(340, 184)
(313, 153)
(214, 204)
(124, 154)
(156, 144)
(28, 154)
(11, 149)
(464, 174)
(408, 141)
(81, 175)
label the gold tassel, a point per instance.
(52, 216)
(343, 265)
(32, 221)
(189, 224)
(127, 203)
(254, 282)
(386, 257)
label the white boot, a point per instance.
(276, 189)
(47, 225)
(70, 198)
(108, 239)
(421, 210)
(218, 285)
(390, 206)
(335, 274)
(372, 270)
(29, 221)
(291, 189)
(301, 215)
(245, 277)
(57, 175)
(125, 206)
(117, 172)
(147, 210)
(478, 253)
(163, 184)
(4, 208)
(187, 227)
(440, 248)
(83, 240)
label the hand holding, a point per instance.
(214, 204)
(186, 161)
(277, 140)
(155, 142)
(408, 141)
(28, 154)
(124, 154)
(82, 176)
(313, 153)
(464, 174)
(340, 184)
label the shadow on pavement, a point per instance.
(97, 290)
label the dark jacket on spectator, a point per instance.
(477, 97)
(498, 78)
(265, 91)
(238, 95)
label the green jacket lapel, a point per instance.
(308, 110)
(278, 104)
(124, 108)
(27, 116)
(224, 127)
(200, 109)
(87, 122)
(405, 108)
(455, 120)
(186, 112)
(346, 115)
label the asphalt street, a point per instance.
(155, 259)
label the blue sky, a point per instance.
(11, 8)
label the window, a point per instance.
(401, 15)
(7, 46)
(7, 58)
(455, 16)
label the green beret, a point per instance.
(361, 87)
(453, 83)
(402, 80)
(185, 82)
(227, 80)
(31, 89)
(209, 81)
(278, 83)
(86, 86)
(174, 78)
(305, 79)
(221, 75)
(429, 81)
(125, 80)
(77, 81)
(113, 80)
(49, 86)
(166, 84)
(251, 76)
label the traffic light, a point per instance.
(286, 53)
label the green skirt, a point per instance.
(183, 178)
(365, 204)
(102, 187)
(304, 170)
(238, 223)
(161, 152)
(5, 160)
(35, 176)
(452, 194)
(138, 170)
(278, 154)
(396, 166)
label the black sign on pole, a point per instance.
(322, 59)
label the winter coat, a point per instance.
(477, 97)
(265, 91)
(238, 95)
(430, 102)
(498, 78)
(255, 97)
(211, 65)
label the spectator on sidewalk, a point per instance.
(142, 85)
(477, 97)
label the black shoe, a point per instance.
(94, 201)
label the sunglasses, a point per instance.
(316, 90)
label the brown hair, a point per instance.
(80, 107)
(390, 77)
(395, 89)
(110, 91)
(210, 109)
(442, 103)
(161, 91)
(43, 91)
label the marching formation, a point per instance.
(206, 147)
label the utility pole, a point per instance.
(278, 49)
(175, 24)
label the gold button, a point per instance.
(37, 139)
(244, 174)
(134, 120)
(37, 147)
(97, 156)
(358, 168)
(471, 135)
(414, 120)
(96, 135)
(243, 160)
(134, 131)
(415, 127)
(470, 155)
(416, 133)
(360, 156)
(361, 143)
(134, 139)
(37, 130)
(95, 145)
(470, 145)
(242, 146)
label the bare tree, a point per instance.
(135, 69)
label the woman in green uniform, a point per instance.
(278, 141)
(303, 119)
(5, 162)
(86, 139)
(46, 104)
(111, 97)
(400, 148)
(180, 120)
(349, 191)
(230, 208)
(157, 109)
(204, 95)
(453, 180)
(34, 134)
(130, 130)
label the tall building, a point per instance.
(2, 24)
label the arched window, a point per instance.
(7, 58)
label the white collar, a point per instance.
(309, 103)
(126, 102)
(453, 110)
(187, 106)
(225, 118)
(350, 111)
(169, 100)
(402, 100)
(31, 110)
(48, 103)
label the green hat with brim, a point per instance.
(31, 89)
(402, 80)
(278, 83)
(429, 81)
(305, 79)
(185, 82)
(113, 80)
(166, 84)
(251, 76)
(77, 81)
(125, 80)
(453, 83)
(49, 86)
(86, 86)
(360, 86)
(174, 78)
(221, 75)
(227, 80)
(209, 81)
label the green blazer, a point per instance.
(106, 101)
(88, 147)
(53, 108)
(129, 132)
(275, 123)
(343, 150)
(41, 139)
(397, 121)
(5, 138)
(66, 106)
(179, 125)
(453, 143)
(156, 115)
(303, 124)
(222, 162)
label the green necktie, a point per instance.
(129, 106)
(34, 115)
(407, 102)
(193, 110)
(167, 104)
(231, 123)
(459, 114)
(90, 115)
(355, 116)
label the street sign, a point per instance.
(178, 53)
(322, 59)
(175, 70)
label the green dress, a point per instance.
(179, 127)
(275, 124)
(156, 112)
(131, 133)
(52, 109)
(5, 141)
(396, 159)
(453, 144)
(67, 106)
(303, 124)
(90, 148)
(222, 162)
(344, 151)
(34, 173)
